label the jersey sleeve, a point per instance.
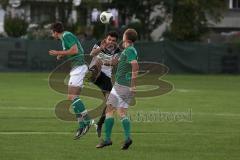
(131, 55)
(69, 41)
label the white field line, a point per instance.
(217, 114)
(182, 90)
(52, 109)
(26, 108)
(92, 133)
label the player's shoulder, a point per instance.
(67, 34)
(131, 50)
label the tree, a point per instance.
(4, 3)
(142, 9)
(15, 26)
(190, 17)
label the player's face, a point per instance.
(54, 35)
(111, 40)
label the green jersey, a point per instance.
(68, 40)
(124, 69)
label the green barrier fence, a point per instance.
(179, 57)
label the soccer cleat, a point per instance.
(104, 144)
(86, 128)
(79, 133)
(126, 144)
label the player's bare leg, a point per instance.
(73, 92)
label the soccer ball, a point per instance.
(106, 17)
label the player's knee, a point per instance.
(122, 113)
(109, 110)
(71, 97)
(109, 114)
(106, 94)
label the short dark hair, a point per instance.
(112, 34)
(57, 27)
(131, 34)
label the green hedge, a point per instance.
(15, 27)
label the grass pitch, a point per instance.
(29, 129)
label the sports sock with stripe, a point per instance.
(81, 112)
(126, 126)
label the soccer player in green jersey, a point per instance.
(73, 52)
(123, 90)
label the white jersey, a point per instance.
(107, 55)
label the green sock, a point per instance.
(126, 127)
(108, 123)
(80, 121)
(79, 108)
(86, 119)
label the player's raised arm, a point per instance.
(73, 50)
(97, 49)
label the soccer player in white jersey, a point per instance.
(106, 54)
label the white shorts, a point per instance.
(120, 96)
(77, 75)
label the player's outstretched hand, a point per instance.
(52, 52)
(103, 44)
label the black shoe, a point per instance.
(79, 133)
(99, 130)
(104, 144)
(126, 144)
